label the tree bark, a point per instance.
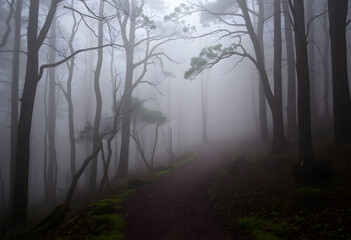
(291, 102)
(34, 42)
(312, 62)
(304, 111)
(96, 134)
(129, 44)
(278, 143)
(261, 95)
(341, 94)
(52, 160)
(14, 93)
(204, 108)
(278, 126)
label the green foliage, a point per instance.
(205, 57)
(264, 229)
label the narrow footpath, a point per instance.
(177, 206)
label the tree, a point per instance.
(212, 55)
(144, 116)
(341, 95)
(33, 75)
(97, 119)
(278, 126)
(132, 21)
(302, 69)
(290, 53)
(34, 41)
(51, 174)
(14, 92)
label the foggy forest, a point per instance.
(183, 119)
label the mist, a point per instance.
(143, 83)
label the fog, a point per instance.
(230, 89)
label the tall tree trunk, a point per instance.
(291, 105)
(34, 42)
(278, 126)
(154, 146)
(14, 93)
(341, 94)
(304, 111)
(261, 96)
(96, 134)
(52, 119)
(326, 60)
(312, 62)
(68, 96)
(278, 142)
(129, 44)
(204, 108)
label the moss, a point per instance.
(107, 222)
(264, 229)
(138, 183)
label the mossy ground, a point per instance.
(100, 220)
(257, 193)
(104, 219)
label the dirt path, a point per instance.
(177, 206)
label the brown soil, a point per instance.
(177, 206)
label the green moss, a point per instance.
(138, 183)
(264, 229)
(107, 222)
(192, 156)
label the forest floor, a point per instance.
(224, 192)
(257, 192)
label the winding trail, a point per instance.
(176, 206)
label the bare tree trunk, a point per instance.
(154, 146)
(204, 108)
(68, 96)
(45, 138)
(304, 111)
(341, 94)
(278, 143)
(312, 62)
(93, 170)
(34, 42)
(129, 43)
(51, 177)
(278, 126)
(291, 105)
(261, 96)
(326, 60)
(14, 93)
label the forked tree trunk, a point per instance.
(34, 42)
(129, 43)
(278, 142)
